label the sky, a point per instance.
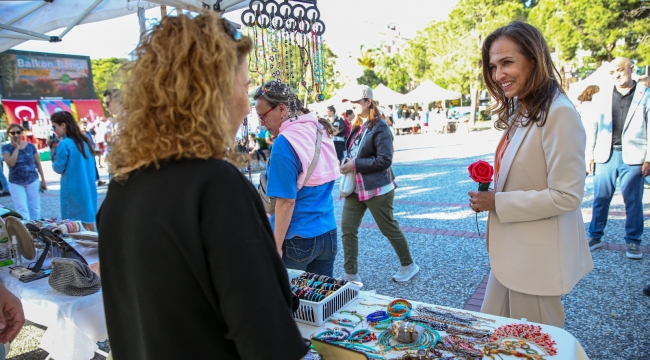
(349, 24)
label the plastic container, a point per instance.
(317, 313)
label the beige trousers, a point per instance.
(501, 301)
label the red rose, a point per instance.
(481, 171)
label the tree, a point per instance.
(367, 58)
(393, 70)
(370, 78)
(105, 76)
(605, 28)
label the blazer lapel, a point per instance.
(510, 153)
(636, 100)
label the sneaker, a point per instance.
(594, 244)
(633, 251)
(352, 277)
(646, 290)
(101, 183)
(406, 273)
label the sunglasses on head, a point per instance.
(15, 132)
(231, 30)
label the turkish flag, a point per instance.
(17, 110)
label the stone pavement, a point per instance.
(606, 312)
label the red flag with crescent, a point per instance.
(18, 110)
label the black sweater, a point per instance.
(190, 269)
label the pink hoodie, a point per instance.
(301, 134)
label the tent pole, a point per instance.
(26, 32)
(79, 18)
(21, 37)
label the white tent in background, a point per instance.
(599, 77)
(336, 101)
(428, 92)
(386, 96)
(32, 20)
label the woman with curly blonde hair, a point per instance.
(181, 277)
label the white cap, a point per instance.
(358, 93)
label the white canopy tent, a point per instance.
(428, 91)
(599, 77)
(21, 21)
(336, 101)
(387, 96)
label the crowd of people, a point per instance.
(225, 259)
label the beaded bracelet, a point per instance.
(381, 325)
(343, 321)
(377, 316)
(353, 313)
(399, 309)
(363, 335)
(335, 334)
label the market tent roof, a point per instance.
(387, 96)
(599, 77)
(336, 101)
(21, 21)
(428, 91)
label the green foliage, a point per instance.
(370, 78)
(395, 72)
(106, 76)
(367, 58)
(606, 28)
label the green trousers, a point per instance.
(381, 208)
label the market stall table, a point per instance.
(567, 346)
(74, 323)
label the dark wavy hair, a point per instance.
(543, 85)
(73, 131)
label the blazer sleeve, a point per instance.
(563, 142)
(383, 156)
(591, 119)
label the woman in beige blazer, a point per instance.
(536, 236)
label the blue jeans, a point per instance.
(315, 255)
(605, 176)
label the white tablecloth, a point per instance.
(567, 346)
(74, 323)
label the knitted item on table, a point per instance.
(72, 277)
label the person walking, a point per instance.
(370, 154)
(221, 275)
(304, 224)
(618, 150)
(339, 135)
(3, 180)
(75, 162)
(535, 235)
(24, 163)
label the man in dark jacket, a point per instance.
(339, 136)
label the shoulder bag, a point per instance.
(347, 182)
(269, 202)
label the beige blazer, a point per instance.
(537, 239)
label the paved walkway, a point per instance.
(606, 312)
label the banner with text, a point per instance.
(35, 76)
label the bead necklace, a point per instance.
(428, 339)
(437, 319)
(343, 321)
(369, 351)
(459, 347)
(336, 334)
(445, 315)
(464, 314)
(353, 313)
(531, 333)
(510, 348)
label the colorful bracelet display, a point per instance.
(314, 287)
(59, 227)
